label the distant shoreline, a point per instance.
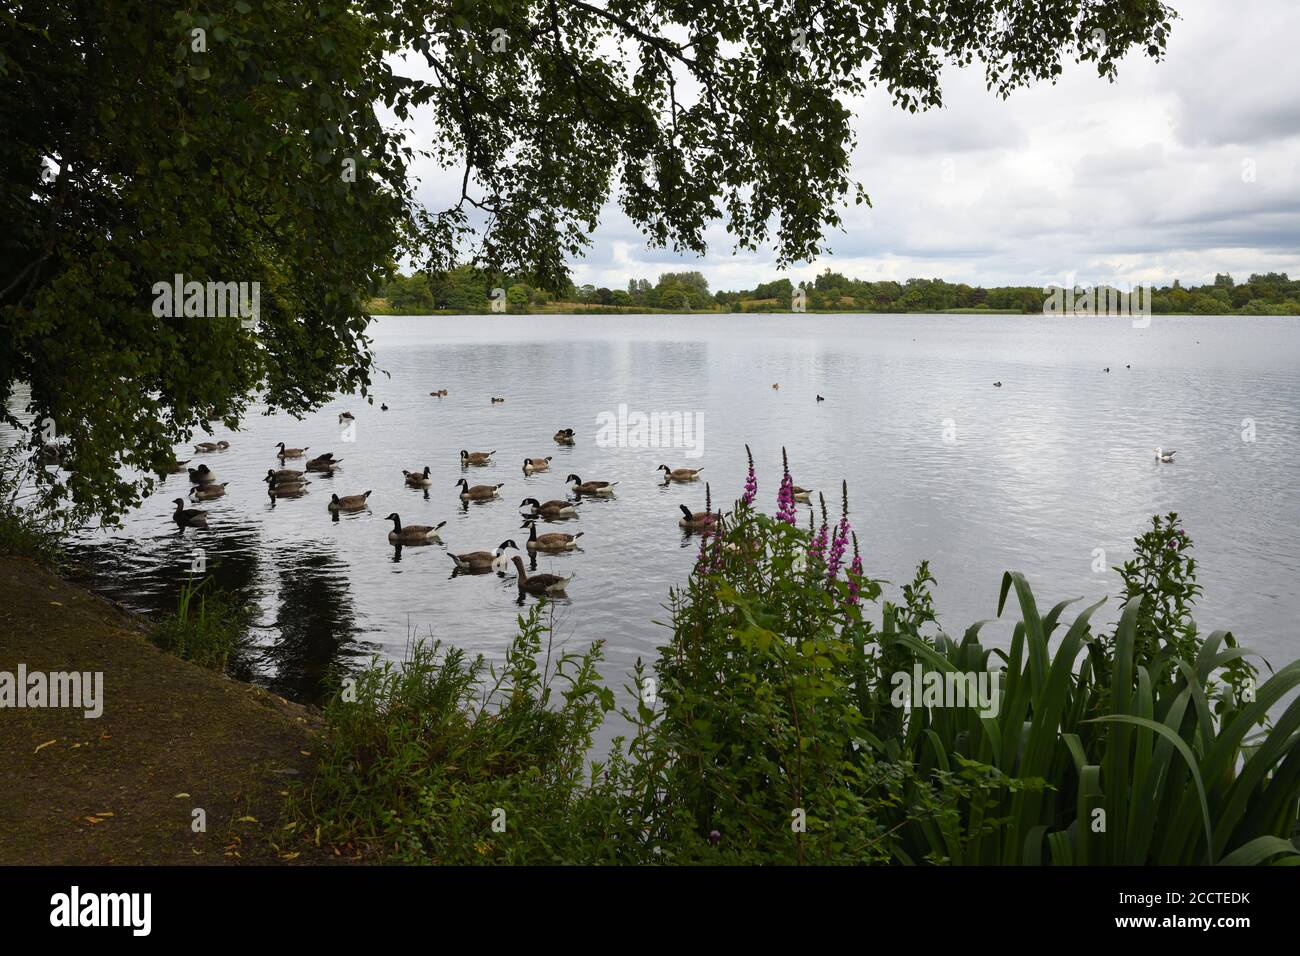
(631, 310)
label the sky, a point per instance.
(1178, 170)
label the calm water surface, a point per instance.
(1044, 470)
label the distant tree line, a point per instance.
(466, 289)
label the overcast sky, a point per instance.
(1177, 170)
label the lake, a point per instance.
(1034, 475)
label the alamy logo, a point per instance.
(103, 909)
(208, 300)
(633, 429)
(1100, 300)
(922, 688)
(78, 690)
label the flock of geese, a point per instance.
(288, 482)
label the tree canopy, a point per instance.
(264, 143)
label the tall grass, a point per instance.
(207, 629)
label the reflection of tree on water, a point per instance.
(315, 624)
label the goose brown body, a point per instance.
(348, 502)
(554, 541)
(470, 492)
(581, 487)
(539, 583)
(412, 533)
(680, 474)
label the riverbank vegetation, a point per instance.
(467, 290)
(771, 729)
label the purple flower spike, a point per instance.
(855, 571)
(785, 500)
(838, 544)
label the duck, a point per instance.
(550, 509)
(679, 474)
(478, 492)
(209, 447)
(188, 517)
(202, 475)
(800, 494)
(413, 533)
(290, 452)
(539, 583)
(326, 462)
(477, 562)
(554, 541)
(1162, 455)
(476, 457)
(590, 487)
(565, 436)
(345, 417)
(536, 464)
(284, 474)
(696, 521)
(284, 489)
(348, 502)
(209, 491)
(418, 479)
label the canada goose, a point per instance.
(550, 509)
(555, 541)
(208, 447)
(539, 583)
(696, 521)
(189, 517)
(202, 475)
(497, 401)
(476, 457)
(564, 436)
(478, 492)
(800, 494)
(348, 502)
(290, 452)
(176, 467)
(481, 561)
(997, 384)
(383, 408)
(284, 489)
(679, 474)
(536, 464)
(346, 417)
(413, 533)
(776, 386)
(418, 479)
(50, 455)
(285, 478)
(1162, 455)
(326, 462)
(439, 394)
(820, 399)
(591, 487)
(209, 491)
(1106, 369)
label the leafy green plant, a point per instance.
(444, 759)
(207, 628)
(31, 526)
